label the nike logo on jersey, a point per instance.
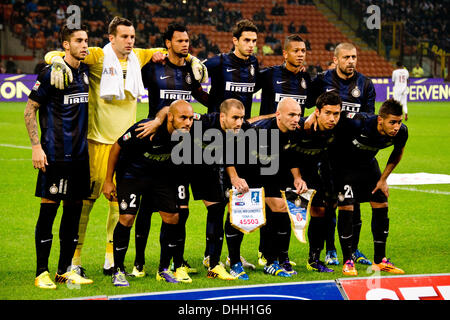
(328, 90)
(165, 77)
(229, 70)
(280, 82)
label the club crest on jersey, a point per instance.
(53, 189)
(123, 205)
(251, 69)
(351, 115)
(188, 79)
(303, 84)
(85, 78)
(356, 92)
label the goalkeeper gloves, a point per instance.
(60, 75)
(198, 68)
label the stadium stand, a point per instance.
(37, 23)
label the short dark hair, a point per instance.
(66, 32)
(243, 25)
(328, 98)
(399, 64)
(171, 28)
(390, 107)
(227, 104)
(118, 21)
(292, 38)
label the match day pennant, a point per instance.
(298, 206)
(247, 211)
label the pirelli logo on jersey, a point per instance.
(175, 95)
(299, 98)
(349, 106)
(76, 98)
(361, 146)
(239, 86)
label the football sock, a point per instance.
(141, 232)
(262, 239)
(168, 243)
(283, 235)
(345, 229)
(271, 234)
(316, 237)
(111, 221)
(43, 235)
(330, 216)
(234, 239)
(380, 231)
(183, 214)
(214, 232)
(84, 219)
(121, 239)
(357, 223)
(68, 235)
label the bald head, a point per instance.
(288, 114)
(180, 116)
(343, 46)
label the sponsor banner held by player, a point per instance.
(405, 287)
(318, 290)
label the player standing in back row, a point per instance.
(358, 95)
(61, 155)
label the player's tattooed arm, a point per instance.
(39, 157)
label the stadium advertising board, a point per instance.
(415, 287)
(16, 88)
(319, 290)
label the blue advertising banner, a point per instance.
(319, 290)
(16, 88)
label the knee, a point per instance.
(127, 220)
(170, 218)
(317, 212)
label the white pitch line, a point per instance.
(14, 146)
(15, 159)
(418, 190)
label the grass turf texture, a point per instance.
(419, 222)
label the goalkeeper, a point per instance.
(110, 118)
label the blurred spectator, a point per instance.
(2, 67)
(11, 66)
(303, 28)
(277, 10)
(330, 46)
(417, 71)
(331, 65)
(267, 49)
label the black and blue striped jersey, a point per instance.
(277, 83)
(232, 77)
(357, 93)
(63, 115)
(168, 82)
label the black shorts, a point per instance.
(64, 181)
(274, 184)
(323, 184)
(355, 184)
(208, 183)
(160, 195)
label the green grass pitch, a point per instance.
(419, 239)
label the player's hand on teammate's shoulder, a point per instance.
(148, 128)
(159, 57)
(60, 75)
(311, 122)
(39, 157)
(198, 68)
